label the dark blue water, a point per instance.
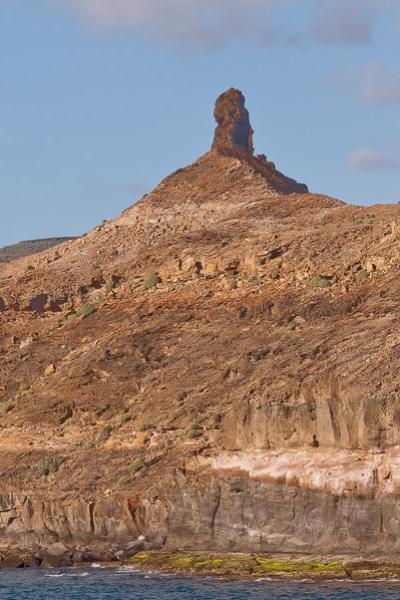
(121, 584)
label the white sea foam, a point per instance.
(84, 574)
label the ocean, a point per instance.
(126, 584)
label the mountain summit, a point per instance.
(231, 163)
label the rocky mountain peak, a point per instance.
(233, 131)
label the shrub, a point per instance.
(104, 434)
(233, 283)
(151, 281)
(360, 275)
(122, 481)
(123, 418)
(71, 314)
(193, 433)
(137, 466)
(200, 420)
(319, 281)
(146, 427)
(6, 407)
(24, 389)
(148, 379)
(30, 268)
(49, 465)
(86, 310)
(255, 280)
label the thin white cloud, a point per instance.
(347, 21)
(214, 22)
(196, 21)
(380, 84)
(367, 159)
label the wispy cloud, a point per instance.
(216, 21)
(347, 21)
(199, 22)
(367, 159)
(380, 84)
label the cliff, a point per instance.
(216, 369)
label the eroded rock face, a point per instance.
(234, 130)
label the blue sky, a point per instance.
(100, 99)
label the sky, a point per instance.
(101, 99)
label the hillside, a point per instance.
(215, 369)
(29, 247)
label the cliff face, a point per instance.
(215, 369)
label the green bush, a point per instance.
(146, 427)
(6, 407)
(151, 280)
(360, 275)
(49, 465)
(149, 379)
(123, 418)
(24, 389)
(319, 281)
(104, 434)
(193, 433)
(137, 466)
(84, 311)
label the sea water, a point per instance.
(128, 584)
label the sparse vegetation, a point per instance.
(146, 427)
(151, 280)
(137, 466)
(49, 465)
(362, 274)
(104, 434)
(194, 433)
(123, 418)
(254, 280)
(122, 481)
(84, 311)
(200, 420)
(30, 268)
(6, 407)
(24, 389)
(233, 283)
(149, 379)
(319, 281)
(356, 220)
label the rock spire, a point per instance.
(233, 131)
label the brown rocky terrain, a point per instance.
(217, 369)
(29, 247)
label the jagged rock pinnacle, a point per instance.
(233, 131)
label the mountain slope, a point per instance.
(215, 369)
(29, 247)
